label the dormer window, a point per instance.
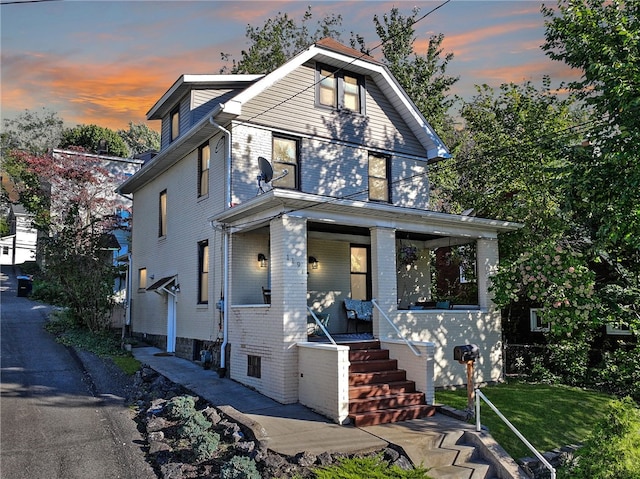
(339, 89)
(175, 124)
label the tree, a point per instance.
(423, 77)
(95, 139)
(280, 39)
(80, 268)
(602, 39)
(50, 187)
(140, 138)
(512, 165)
(32, 131)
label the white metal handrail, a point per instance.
(408, 342)
(480, 395)
(319, 323)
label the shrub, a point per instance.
(48, 292)
(619, 372)
(613, 450)
(205, 445)
(181, 407)
(371, 468)
(196, 425)
(240, 467)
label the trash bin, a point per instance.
(25, 283)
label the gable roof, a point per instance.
(326, 51)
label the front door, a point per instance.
(171, 323)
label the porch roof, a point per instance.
(258, 211)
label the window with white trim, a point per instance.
(537, 322)
(142, 279)
(162, 214)
(379, 178)
(339, 89)
(204, 158)
(203, 272)
(618, 328)
(285, 157)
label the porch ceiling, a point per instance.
(333, 212)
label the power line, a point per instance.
(362, 55)
(18, 2)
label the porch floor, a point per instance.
(341, 338)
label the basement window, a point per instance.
(254, 367)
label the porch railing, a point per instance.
(407, 342)
(541, 458)
(319, 323)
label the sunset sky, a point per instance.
(107, 62)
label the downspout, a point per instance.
(127, 320)
(222, 370)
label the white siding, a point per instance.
(290, 105)
(177, 253)
(326, 168)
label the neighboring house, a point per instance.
(209, 237)
(20, 245)
(110, 172)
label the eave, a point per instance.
(260, 210)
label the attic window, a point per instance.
(175, 124)
(338, 89)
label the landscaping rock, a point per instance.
(173, 457)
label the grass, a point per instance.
(106, 344)
(549, 416)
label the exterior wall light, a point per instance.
(262, 259)
(313, 262)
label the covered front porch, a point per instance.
(355, 249)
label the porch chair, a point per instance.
(358, 310)
(266, 295)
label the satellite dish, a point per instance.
(266, 173)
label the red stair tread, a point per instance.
(370, 390)
(384, 416)
(386, 402)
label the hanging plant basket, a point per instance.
(407, 255)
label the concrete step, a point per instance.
(450, 472)
(385, 402)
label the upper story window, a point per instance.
(339, 89)
(285, 157)
(204, 157)
(203, 272)
(142, 278)
(162, 214)
(379, 178)
(175, 123)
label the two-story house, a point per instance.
(225, 259)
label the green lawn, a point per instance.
(548, 416)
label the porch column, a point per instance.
(288, 312)
(383, 277)
(487, 263)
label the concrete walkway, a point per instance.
(292, 428)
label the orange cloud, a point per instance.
(105, 94)
(525, 72)
(466, 45)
